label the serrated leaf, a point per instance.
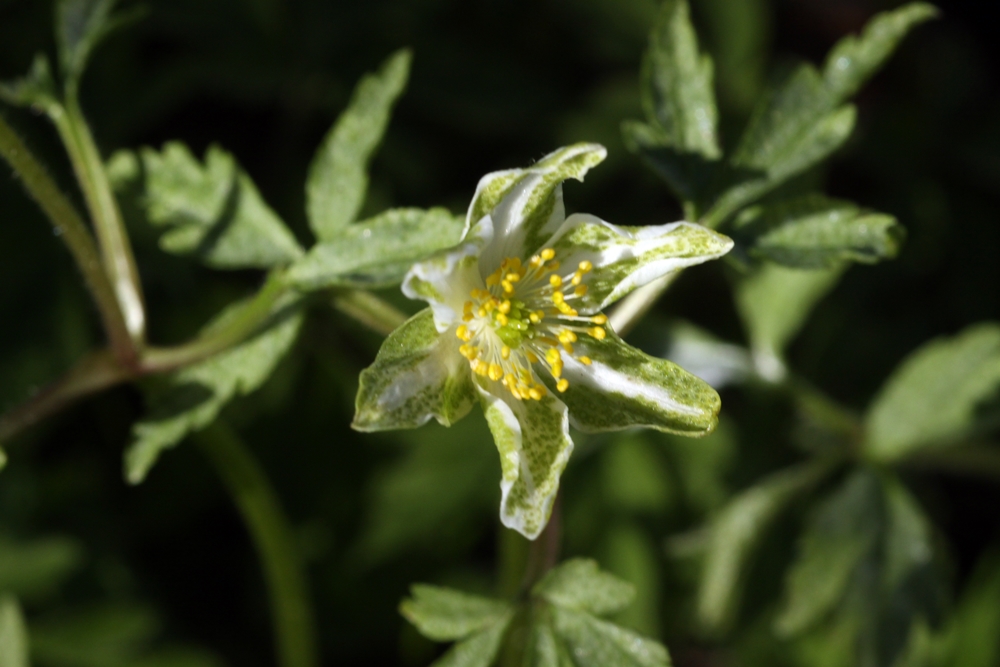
(581, 585)
(195, 395)
(591, 642)
(444, 614)
(774, 303)
(13, 634)
(479, 650)
(35, 89)
(689, 175)
(80, 27)
(932, 398)
(853, 60)
(842, 530)
(793, 128)
(736, 532)
(338, 178)
(814, 232)
(379, 251)
(35, 568)
(211, 210)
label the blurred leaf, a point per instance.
(443, 614)
(736, 532)
(479, 650)
(439, 487)
(680, 141)
(13, 634)
(194, 396)
(739, 32)
(338, 179)
(972, 638)
(580, 585)
(853, 60)
(792, 129)
(701, 353)
(635, 478)
(816, 232)
(379, 251)
(3, 458)
(591, 642)
(212, 211)
(632, 555)
(36, 89)
(842, 530)
(703, 466)
(774, 303)
(99, 636)
(932, 397)
(36, 568)
(80, 26)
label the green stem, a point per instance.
(73, 231)
(274, 540)
(116, 249)
(369, 310)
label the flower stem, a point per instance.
(369, 310)
(274, 540)
(72, 229)
(116, 248)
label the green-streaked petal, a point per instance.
(526, 204)
(418, 374)
(534, 444)
(447, 278)
(625, 258)
(623, 387)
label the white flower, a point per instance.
(515, 322)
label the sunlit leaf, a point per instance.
(591, 642)
(581, 585)
(13, 634)
(338, 178)
(194, 396)
(932, 398)
(443, 614)
(379, 251)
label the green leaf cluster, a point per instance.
(557, 626)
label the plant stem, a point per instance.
(274, 540)
(630, 310)
(369, 310)
(73, 231)
(116, 249)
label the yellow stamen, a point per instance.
(532, 359)
(585, 266)
(508, 287)
(464, 333)
(535, 394)
(562, 385)
(597, 332)
(495, 372)
(555, 281)
(548, 254)
(502, 319)
(580, 290)
(552, 355)
(599, 319)
(557, 297)
(586, 361)
(505, 352)
(504, 307)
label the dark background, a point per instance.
(495, 84)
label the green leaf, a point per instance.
(680, 141)
(842, 531)
(855, 59)
(417, 374)
(774, 303)
(338, 179)
(379, 251)
(80, 26)
(479, 650)
(635, 555)
(739, 32)
(210, 210)
(36, 89)
(194, 396)
(591, 642)
(971, 638)
(3, 458)
(443, 614)
(816, 232)
(794, 128)
(107, 634)
(736, 532)
(634, 476)
(13, 634)
(580, 584)
(36, 568)
(932, 398)
(677, 93)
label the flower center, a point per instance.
(525, 317)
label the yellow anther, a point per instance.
(585, 266)
(566, 309)
(463, 333)
(554, 266)
(580, 290)
(557, 298)
(597, 332)
(555, 281)
(508, 287)
(562, 385)
(505, 352)
(467, 307)
(568, 347)
(481, 312)
(536, 317)
(495, 372)
(513, 276)
(599, 319)
(467, 318)
(504, 307)
(493, 279)
(502, 319)
(548, 254)
(552, 355)
(535, 261)
(577, 278)
(586, 361)
(480, 367)
(532, 359)
(470, 352)
(535, 394)
(557, 369)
